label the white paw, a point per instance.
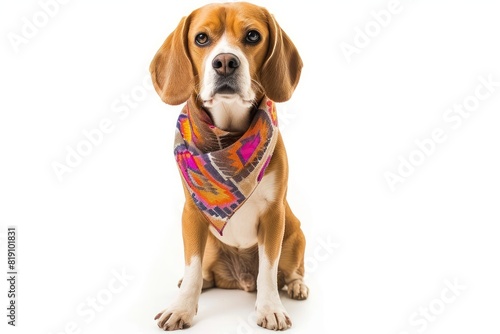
(273, 316)
(176, 317)
(298, 290)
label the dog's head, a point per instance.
(220, 51)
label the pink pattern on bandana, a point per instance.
(220, 180)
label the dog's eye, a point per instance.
(252, 37)
(202, 39)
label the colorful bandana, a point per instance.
(221, 169)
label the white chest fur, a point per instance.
(241, 229)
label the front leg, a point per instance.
(271, 313)
(181, 312)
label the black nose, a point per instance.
(225, 63)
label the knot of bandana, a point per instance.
(222, 177)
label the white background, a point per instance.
(347, 124)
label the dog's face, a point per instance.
(228, 48)
(226, 51)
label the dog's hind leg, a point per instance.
(292, 257)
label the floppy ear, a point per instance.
(171, 69)
(280, 73)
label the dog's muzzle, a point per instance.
(226, 65)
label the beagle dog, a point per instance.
(229, 63)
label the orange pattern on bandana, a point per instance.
(221, 169)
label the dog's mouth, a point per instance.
(226, 97)
(225, 92)
(228, 85)
(225, 89)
